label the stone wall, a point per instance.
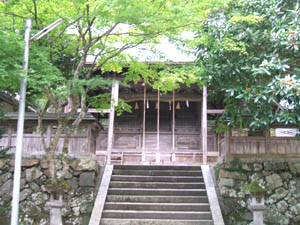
(83, 176)
(281, 179)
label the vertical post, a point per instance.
(158, 110)
(49, 131)
(89, 138)
(144, 124)
(114, 102)
(20, 130)
(227, 143)
(9, 135)
(173, 127)
(157, 140)
(204, 125)
(267, 142)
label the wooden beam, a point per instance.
(92, 110)
(163, 98)
(114, 101)
(215, 111)
(204, 125)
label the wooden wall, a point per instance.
(249, 146)
(79, 144)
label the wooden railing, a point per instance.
(232, 146)
(32, 144)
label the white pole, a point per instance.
(20, 129)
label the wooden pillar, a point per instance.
(227, 142)
(158, 110)
(89, 138)
(49, 133)
(204, 125)
(114, 102)
(144, 124)
(173, 127)
(9, 134)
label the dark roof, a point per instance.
(47, 116)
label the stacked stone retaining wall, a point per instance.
(281, 179)
(82, 176)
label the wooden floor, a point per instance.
(148, 157)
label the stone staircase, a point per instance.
(154, 195)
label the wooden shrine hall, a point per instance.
(163, 128)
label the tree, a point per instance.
(249, 53)
(106, 29)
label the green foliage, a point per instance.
(255, 189)
(105, 29)
(251, 50)
(102, 101)
(10, 61)
(57, 186)
(249, 19)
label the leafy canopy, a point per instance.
(249, 51)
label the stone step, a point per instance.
(181, 215)
(163, 185)
(110, 221)
(116, 161)
(203, 207)
(156, 178)
(157, 172)
(163, 192)
(157, 199)
(158, 167)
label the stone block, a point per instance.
(294, 187)
(44, 164)
(22, 183)
(24, 194)
(294, 167)
(26, 162)
(2, 163)
(35, 187)
(285, 176)
(39, 198)
(6, 188)
(233, 175)
(73, 183)
(84, 165)
(30, 208)
(274, 166)
(273, 181)
(279, 194)
(87, 179)
(273, 216)
(32, 174)
(226, 182)
(295, 209)
(252, 166)
(282, 206)
(4, 177)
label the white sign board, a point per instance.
(286, 132)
